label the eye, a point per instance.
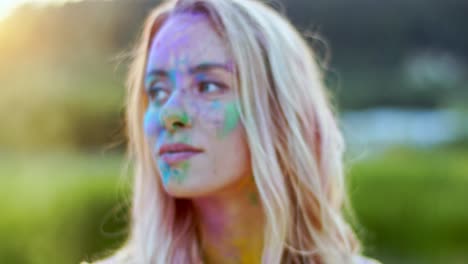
(210, 87)
(157, 93)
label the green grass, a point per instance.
(59, 208)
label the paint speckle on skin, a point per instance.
(149, 80)
(231, 119)
(200, 77)
(179, 67)
(182, 172)
(215, 105)
(231, 65)
(173, 77)
(166, 117)
(185, 139)
(215, 110)
(179, 173)
(150, 122)
(181, 38)
(184, 118)
(165, 171)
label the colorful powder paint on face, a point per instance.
(179, 173)
(231, 119)
(179, 67)
(179, 34)
(165, 171)
(173, 119)
(185, 139)
(173, 77)
(184, 118)
(150, 122)
(215, 105)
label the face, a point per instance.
(192, 120)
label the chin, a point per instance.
(178, 190)
(187, 190)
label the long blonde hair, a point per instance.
(295, 144)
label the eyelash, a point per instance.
(153, 92)
(221, 87)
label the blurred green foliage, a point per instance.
(412, 204)
(60, 208)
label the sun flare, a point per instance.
(8, 6)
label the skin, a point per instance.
(189, 78)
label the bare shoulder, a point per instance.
(364, 260)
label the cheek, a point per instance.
(209, 116)
(150, 122)
(218, 118)
(230, 119)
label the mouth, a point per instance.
(175, 153)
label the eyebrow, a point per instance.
(203, 67)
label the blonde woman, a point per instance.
(237, 154)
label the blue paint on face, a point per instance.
(200, 77)
(149, 80)
(162, 135)
(173, 77)
(150, 122)
(165, 171)
(215, 105)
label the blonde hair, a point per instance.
(295, 144)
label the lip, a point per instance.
(177, 152)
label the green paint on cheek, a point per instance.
(231, 119)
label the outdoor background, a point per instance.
(399, 70)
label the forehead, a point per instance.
(186, 39)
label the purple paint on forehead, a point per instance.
(231, 66)
(190, 16)
(179, 30)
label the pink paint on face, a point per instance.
(190, 87)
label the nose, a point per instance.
(174, 117)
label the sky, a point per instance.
(7, 6)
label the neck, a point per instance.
(230, 224)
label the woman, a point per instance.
(237, 155)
